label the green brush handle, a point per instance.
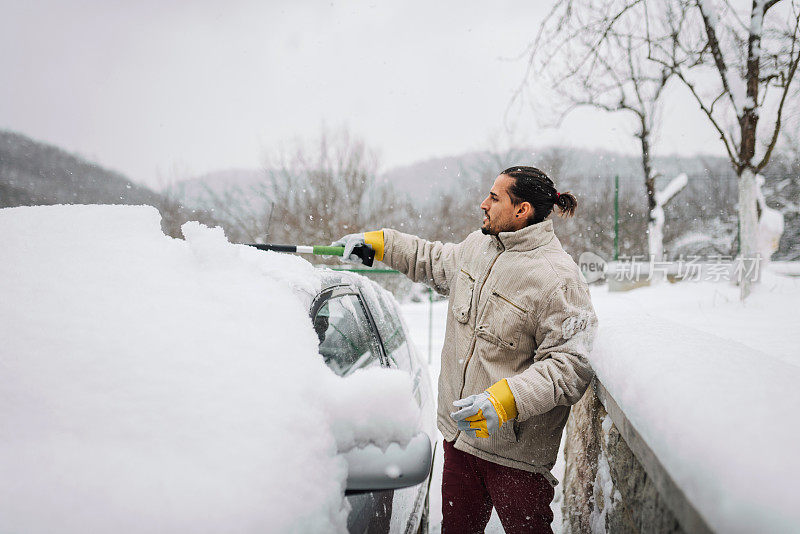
(329, 251)
(364, 252)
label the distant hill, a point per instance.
(569, 167)
(32, 172)
(427, 180)
(36, 173)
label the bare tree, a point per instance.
(323, 190)
(591, 53)
(245, 212)
(732, 60)
(310, 193)
(737, 64)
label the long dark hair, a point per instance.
(535, 187)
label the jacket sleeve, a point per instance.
(560, 374)
(428, 262)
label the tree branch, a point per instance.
(606, 31)
(789, 77)
(711, 118)
(716, 53)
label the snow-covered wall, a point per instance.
(705, 390)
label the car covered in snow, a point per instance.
(359, 325)
(153, 384)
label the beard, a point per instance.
(497, 226)
(487, 229)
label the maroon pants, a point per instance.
(471, 486)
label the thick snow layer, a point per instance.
(655, 228)
(673, 188)
(158, 385)
(770, 224)
(711, 384)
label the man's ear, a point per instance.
(524, 210)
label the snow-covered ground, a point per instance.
(709, 381)
(152, 384)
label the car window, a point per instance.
(345, 338)
(392, 335)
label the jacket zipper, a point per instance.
(474, 333)
(507, 300)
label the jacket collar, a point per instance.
(527, 238)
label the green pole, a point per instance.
(360, 270)
(616, 217)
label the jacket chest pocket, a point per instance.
(502, 321)
(462, 296)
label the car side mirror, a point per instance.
(373, 469)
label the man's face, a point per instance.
(500, 212)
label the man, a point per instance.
(519, 328)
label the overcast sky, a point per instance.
(175, 89)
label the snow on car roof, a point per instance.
(152, 383)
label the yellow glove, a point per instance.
(350, 241)
(483, 414)
(375, 240)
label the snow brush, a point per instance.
(364, 252)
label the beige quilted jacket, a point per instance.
(519, 309)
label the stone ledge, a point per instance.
(613, 481)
